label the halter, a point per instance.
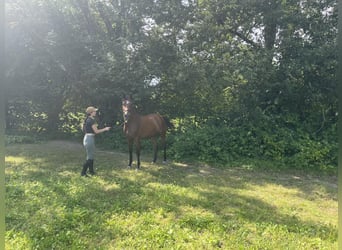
(126, 109)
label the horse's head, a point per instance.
(127, 108)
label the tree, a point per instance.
(236, 61)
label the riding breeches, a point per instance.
(89, 145)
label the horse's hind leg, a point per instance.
(163, 141)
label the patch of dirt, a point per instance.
(66, 144)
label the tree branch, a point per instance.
(245, 38)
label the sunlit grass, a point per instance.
(173, 206)
(15, 160)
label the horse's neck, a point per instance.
(133, 120)
(134, 116)
(132, 125)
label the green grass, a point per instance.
(173, 206)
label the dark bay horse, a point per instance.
(137, 127)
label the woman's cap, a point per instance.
(91, 109)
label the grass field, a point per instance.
(173, 206)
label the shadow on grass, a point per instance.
(47, 198)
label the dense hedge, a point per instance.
(224, 144)
(283, 145)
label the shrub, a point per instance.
(15, 139)
(224, 144)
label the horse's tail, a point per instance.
(168, 123)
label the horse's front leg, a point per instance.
(155, 149)
(130, 150)
(137, 148)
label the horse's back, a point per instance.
(152, 125)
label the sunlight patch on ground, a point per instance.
(67, 173)
(294, 202)
(15, 159)
(108, 186)
(21, 240)
(277, 195)
(213, 188)
(196, 212)
(174, 190)
(205, 172)
(177, 164)
(247, 166)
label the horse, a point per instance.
(137, 127)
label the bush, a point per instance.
(313, 153)
(221, 145)
(114, 139)
(16, 139)
(215, 144)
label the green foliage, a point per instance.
(263, 95)
(71, 123)
(286, 146)
(312, 153)
(20, 139)
(113, 140)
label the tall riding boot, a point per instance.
(85, 167)
(91, 167)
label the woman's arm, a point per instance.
(98, 131)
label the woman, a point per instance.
(90, 130)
